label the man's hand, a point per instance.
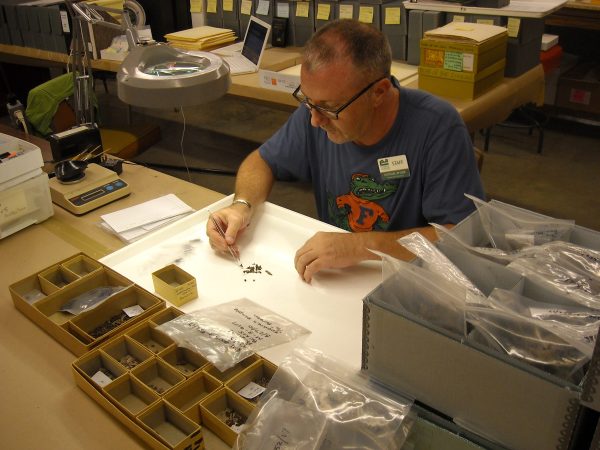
(234, 220)
(327, 250)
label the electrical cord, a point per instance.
(21, 119)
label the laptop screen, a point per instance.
(255, 40)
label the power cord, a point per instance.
(20, 117)
(181, 146)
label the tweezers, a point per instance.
(234, 253)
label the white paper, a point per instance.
(251, 390)
(133, 311)
(101, 379)
(146, 213)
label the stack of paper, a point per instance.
(132, 223)
(200, 38)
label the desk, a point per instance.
(487, 110)
(516, 8)
(41, 405)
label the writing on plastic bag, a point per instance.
(227, 334)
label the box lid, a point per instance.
(25, 160)
(464, 32)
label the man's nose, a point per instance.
(316, 118)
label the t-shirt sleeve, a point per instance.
(287, 151)
(451, 171)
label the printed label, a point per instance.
(283, 10)
(513, 25)
(133, 311)
(251, 390)
(453, 61)
(394, 167)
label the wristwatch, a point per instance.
(243, 202)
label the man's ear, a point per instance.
(381, 89)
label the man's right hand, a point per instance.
(233, 220)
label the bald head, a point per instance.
(345, 40)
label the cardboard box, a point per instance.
(463, 85)
(579, 88)
(132, 392)
(259, 373)
(463, 47)
(41, 296)
(483, 391)
(175, 284)
(214, 409)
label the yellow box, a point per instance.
(463, 47)
(460, 85)
(259, 373)
(165, 419)
(175, 284)
(214, 407)
(42, 295)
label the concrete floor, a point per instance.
(563, 181)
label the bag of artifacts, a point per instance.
(229, 333)
(569, 268)
(558, 339)
(315, 402)
(414, 341)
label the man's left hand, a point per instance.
(327, 250)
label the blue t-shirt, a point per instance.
(350, 190)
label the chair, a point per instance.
(525, 118)
(479, 156)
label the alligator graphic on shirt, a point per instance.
(357, 210)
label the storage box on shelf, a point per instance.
(42, 297)
(462, 60)
(484, 391)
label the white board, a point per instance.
(330, 307)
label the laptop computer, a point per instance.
(245, 57)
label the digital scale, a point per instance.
(98, 187)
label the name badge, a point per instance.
(394, 167)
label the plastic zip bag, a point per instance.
(90, 299)
(426, 295)
(576, 325)
(229, 333)
(435, 261)
(512, 229)
(569, 268)
(528, 340)
(493, 254)
(315, 402)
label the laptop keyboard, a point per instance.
(239, 64)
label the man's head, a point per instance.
(345, 79)
(349, 41)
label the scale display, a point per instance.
(99, 187)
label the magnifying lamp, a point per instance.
(153, 75)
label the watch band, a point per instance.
(243, 202)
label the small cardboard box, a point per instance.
(41, 297)
(579, 88)
(129, 391)
(463, 47)
(462, 85)
(214, 409)
(483, 391)
(175, 284)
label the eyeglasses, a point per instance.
(332, 114)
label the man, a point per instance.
(384, 161)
